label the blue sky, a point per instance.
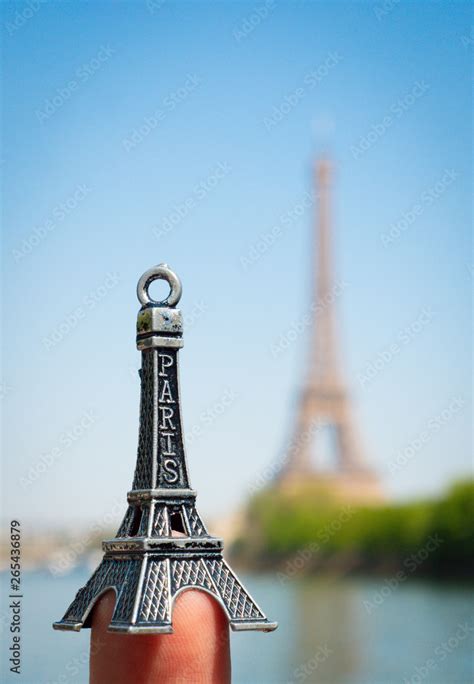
(141, 132)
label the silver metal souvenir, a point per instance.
(145, 563)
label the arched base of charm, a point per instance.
(146, 589)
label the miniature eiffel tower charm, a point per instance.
(146, 564)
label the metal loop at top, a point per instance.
(160, 272)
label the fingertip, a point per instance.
(103, 610)
(200, 642)
(197, 651)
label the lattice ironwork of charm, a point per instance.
(162, 546)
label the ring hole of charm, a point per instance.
(159, 272)
(159, 290)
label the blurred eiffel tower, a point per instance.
(324, 400)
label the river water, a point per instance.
(337, 631)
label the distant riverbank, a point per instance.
(307, 531)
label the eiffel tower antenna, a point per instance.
(324, 399)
